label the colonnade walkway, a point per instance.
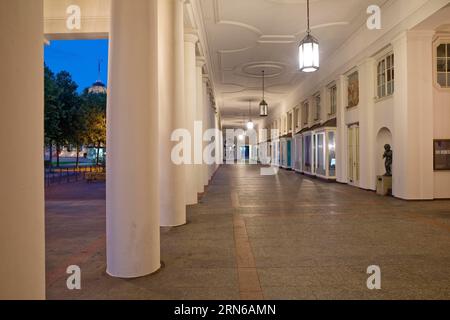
(262, 237)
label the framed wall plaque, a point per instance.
(441, 154)
(353, 89)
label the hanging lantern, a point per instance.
(263, 109)
(308, 51)
(250, 125)
(263, 106)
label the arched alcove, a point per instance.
(384, 137)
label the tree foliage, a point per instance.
(71, 118)
(94, 106)
(51, 113)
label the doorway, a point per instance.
(353, 154)
(320, 156)
(244, 153)
(75, 92)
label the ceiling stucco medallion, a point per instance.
(254, 69)
(291, 1)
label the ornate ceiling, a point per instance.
(245, 37)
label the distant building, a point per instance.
(98, 86)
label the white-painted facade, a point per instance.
(409, 120)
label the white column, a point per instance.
(207, 126)
(413, 134)
(171, 110)
(132, 198)
(200, 115)
(367, 144)
(211, 118)
(22, 240)
(219, 143)
(421, 120)
(400, 133)
(341, 134)
(190, 99)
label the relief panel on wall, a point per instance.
(353, 89)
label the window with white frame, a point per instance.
(305, 116)
(443, 65)
(296, 116)
(289, 122)
(333, 99)
(318, 107)
(385, 76)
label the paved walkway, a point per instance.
(262, 237)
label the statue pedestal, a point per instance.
(384, 185)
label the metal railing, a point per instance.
(59, 175)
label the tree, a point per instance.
(51, 110)
(77, 134)
(94, 106)
(96, 130)
(69, 101)
(71, 118)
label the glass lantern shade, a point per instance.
(263, 109)
(308, 54)
(250, 125)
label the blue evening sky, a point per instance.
(80, 58)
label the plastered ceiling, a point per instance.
(245, 37)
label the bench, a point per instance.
(95, 176)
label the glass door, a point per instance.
(314, 155)
(299, 153)
(331, 158)
(353, 154)
(307, 157)
(289, 159)
(320, 165)
(244, 154)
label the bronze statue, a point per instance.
(388, 160)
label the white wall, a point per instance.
(441, 98)
(408, 114)
(95, 18)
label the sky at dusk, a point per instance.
(80, 58)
